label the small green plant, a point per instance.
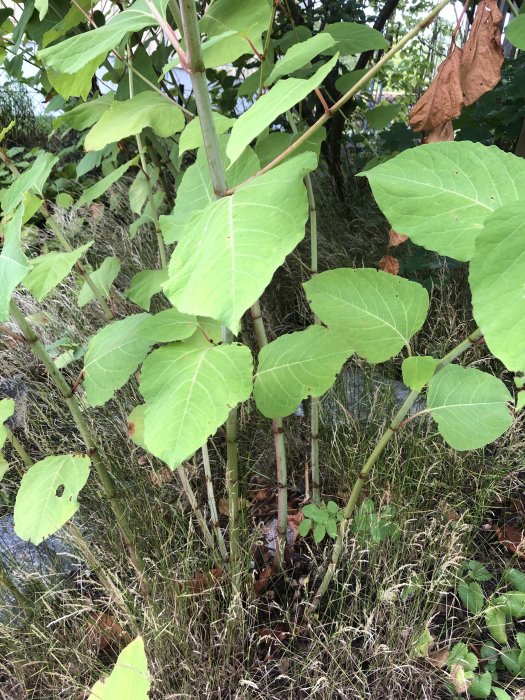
(321, 519)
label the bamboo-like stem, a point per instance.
(267, 44)
(280, 450)
(370, 462)
(314, 400)
(149, 188)
(419, 27)
(214, 515)
(196, 69)
(190, 495)
(71, 401)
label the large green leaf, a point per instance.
(47, 497)
(113, 354)
(354, 38)
(116, 351)
(273, 143)
(376, 311)
(299, 55)
(13, 263)
(280, 98)
(189, 390)
(50, 269)
(85, 115)
(515, 32)
(103, 277)
(7, 408)
(347, 81)
(379, 117)
(497, 281)
(129, 679)
(98, 189)
(298, 365)
(440, 194)
(71, 55)
(418, 371)
(250, 17)
(77, 84)
(144, 285)
(195, 191)
(469, 406)
(32, 180)
(130, 117)
(223, 264)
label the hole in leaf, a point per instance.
(60, 490)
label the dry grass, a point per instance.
(202, 643)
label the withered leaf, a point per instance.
(480, 68)
(389, 264)
(512, 539)
(443, 132)
(444, 98)
(395, 238)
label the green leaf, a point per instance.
(138, 193)
(7, 408)
(520, 638)
(304, 527)
(98, 189)
(102, 278)
(14, 265)
(32, 180)
(481, 685)
(497, 274)
(472, 596)
(47, 497)
(318, 515)
(423, 643)
(469, 406)
(85, 115)
(78, 84)
(50, 269)
(136, 425)
(272, 144)
(376, 311)
(4, 466)
(515, 32)
(510, 659)
(478, 572)
(42, 7)
(347, 81)
(189, 390)
(64, 200)
(295, 366)
(128, 118)
(418, 371)
(319, 532)
(250, 17)
(113, 354)
(500, 693)
(144, 285)
(195, 191)
(280, 98)
(170, 325)
(352, 38)
(225, 261)
(459, 654)
(191, 137)
(515, 578)
(331, 528)
(516, 603)
(71, 55)
(379, 117)
(129, 679)
(299, 55)
(441, 194)
(332, 507)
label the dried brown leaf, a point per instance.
(263, 580)
(443, 132)
(480, 68)
(205, 581)
(395, 238)
(294, 520)
(161, 476)
(443, 99)
(438, 658)
(103, 630)
(460, 682)
(389, 264)
(512, 539)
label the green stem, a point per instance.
(419, 27)
(515, 11)
(280, 450)
(149, 188)
(267, 44)
(370, 462)
(212, 502)
(71, 401)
